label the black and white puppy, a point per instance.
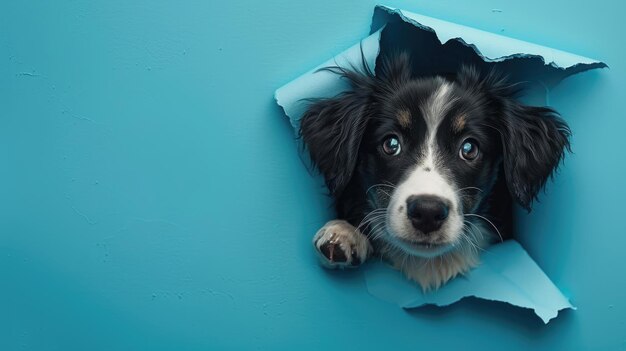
(423, 170)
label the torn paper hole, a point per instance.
(507, 272)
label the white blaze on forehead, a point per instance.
(434, 110)
(437, 105)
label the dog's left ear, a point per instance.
(534, 140)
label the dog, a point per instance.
(424, 170)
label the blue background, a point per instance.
(152, 196)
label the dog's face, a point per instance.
(429, 156)
(427, 151)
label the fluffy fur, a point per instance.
(398, 154)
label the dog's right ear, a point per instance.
(332, 130)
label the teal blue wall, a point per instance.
(152, 196)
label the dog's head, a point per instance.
(428, 150)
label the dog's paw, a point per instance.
(339, 244)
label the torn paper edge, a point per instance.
(494, 47)
(323, 84)
(504, 266)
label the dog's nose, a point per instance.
(426, 212)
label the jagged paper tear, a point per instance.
(507, 272)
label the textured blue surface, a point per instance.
(152, 196)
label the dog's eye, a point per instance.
(391, 145)
(469, 150)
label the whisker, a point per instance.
(482, 234)
(384, 192)
(379, 229)
(377, 211)
(464, 234)
(368, 219)
(386, 182)
(376, 230)
(488, 221)
(379, 185)
(372, 222)
(470, 188)
(475, 229)
(468, 237)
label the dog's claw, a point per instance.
(333, 252)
